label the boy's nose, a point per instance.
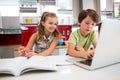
(90, 26)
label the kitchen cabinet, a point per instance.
(117, 9)
(65, 31)
(9, 39)
(10, 36)
(27, 32)
(28, 12)
(106, 9)
(0, 21)
(7, 51)
(65, 12)
(63, 9)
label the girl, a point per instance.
(80, 40)
(45, 39)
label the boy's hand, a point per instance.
(90, 53)
(79, 48)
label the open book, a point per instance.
(19, 65)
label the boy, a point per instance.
(80, 40)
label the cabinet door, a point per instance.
(8, 51)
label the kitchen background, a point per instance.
(17, 13)
(18, 18)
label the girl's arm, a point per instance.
(32, 41)
(23, 50)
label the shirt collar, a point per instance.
(48, 37)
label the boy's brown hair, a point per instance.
(89, 12)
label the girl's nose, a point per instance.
(54, 25)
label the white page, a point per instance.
(11, 65)
(38, 63)
(59, 59)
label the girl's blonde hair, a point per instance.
(41, 32)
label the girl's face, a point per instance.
(50, 25)
(86, 26)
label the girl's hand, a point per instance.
(30, 54)
(23, 51)
(20, 48)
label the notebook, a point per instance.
(108, 47)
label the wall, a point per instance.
(76, 9)
(109, 5)
(0, 21)
(10, 21)
(88, 4)
(78, 5)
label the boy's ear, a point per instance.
(78, 23)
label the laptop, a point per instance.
(108, 47)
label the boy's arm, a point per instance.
(76, 51)
(92, 50)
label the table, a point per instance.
(70, 72)
(59, 50)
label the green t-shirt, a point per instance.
(78, 40)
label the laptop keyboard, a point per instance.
(86, 62)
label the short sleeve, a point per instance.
(72, 39)
(94, 37)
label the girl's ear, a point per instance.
(42, 22)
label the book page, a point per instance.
(38, 63)
(11, 65)
(59, 60)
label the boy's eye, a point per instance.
(56, 24)
(87, 23)
(50, 22)
(93, 24)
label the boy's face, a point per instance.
(86, 26)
